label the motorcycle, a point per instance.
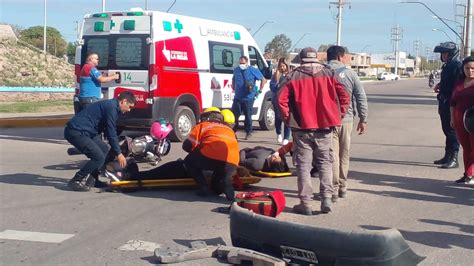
(148, 148)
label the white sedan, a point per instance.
(387, 76)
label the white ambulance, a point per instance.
(175, 65)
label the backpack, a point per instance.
(268, 203)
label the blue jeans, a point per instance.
(245, 106)
(279, 121)
(93, 147)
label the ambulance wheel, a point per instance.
(183, 122)
(267, 121)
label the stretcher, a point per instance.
(176, 182)
(271, 174)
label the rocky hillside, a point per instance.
(21, 65)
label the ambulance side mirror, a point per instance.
(227, 58)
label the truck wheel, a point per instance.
(267, 121)
(183, 122)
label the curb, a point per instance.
(24, 122)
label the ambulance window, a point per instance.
(224, 57)
(255, 59)
(128, 52)
(101, 48)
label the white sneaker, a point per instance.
(469, 181)
(279, 138)
(285, 141)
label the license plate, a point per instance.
(300, 254)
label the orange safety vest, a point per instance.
(216, 141)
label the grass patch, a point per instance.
(37, 107)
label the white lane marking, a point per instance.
(34, 236)
(133, 245)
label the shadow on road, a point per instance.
(386, 100)
(463, 227)
(34, 180)
(365, 160)
(432, 238)
(35, 139)
(419, 188)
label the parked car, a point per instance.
(387, 76)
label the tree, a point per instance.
(55, 43)
(71, 52)
(279, 46)
(410, 56)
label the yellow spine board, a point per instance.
(178, 182)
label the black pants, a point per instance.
(174, 169)
(197, 164)
(93, 147)
(452, 143)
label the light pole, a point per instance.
(103, 5)
(432, 12)
(169, 8)
(443, 32)
(363, 49)
(44, 30)
(299, 40)
(261, 26)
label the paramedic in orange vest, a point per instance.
(212, 145)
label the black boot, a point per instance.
(442, 160)
(452, 161)
(77, 183)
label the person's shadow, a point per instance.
(34, 180)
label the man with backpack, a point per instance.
(342, 134)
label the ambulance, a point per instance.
(175, 65)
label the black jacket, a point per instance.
(450, 73)
(99, 117)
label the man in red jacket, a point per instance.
(312, 103)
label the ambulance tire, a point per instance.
(183, 122)
(267, 121)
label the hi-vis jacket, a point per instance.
(216, 141)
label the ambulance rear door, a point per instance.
(122, 41)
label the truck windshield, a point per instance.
(119, 51)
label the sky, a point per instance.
(366, 24)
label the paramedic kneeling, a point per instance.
(212, 145)
(83, 132)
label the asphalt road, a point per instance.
(393, 184)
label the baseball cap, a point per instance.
(308, 55)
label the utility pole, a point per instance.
(416, 47)
(396, 37)
(468, 29)
(103, 5)
(340, 4)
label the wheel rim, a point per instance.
(184, 125)
(271, 117)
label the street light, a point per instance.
(442, 20)
(299, 40)
(445, 19)
(263, 24)
(368, 45)
(443, 32)
(44, 29)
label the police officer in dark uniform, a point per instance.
(449, 74)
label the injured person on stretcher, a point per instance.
(265, 159)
